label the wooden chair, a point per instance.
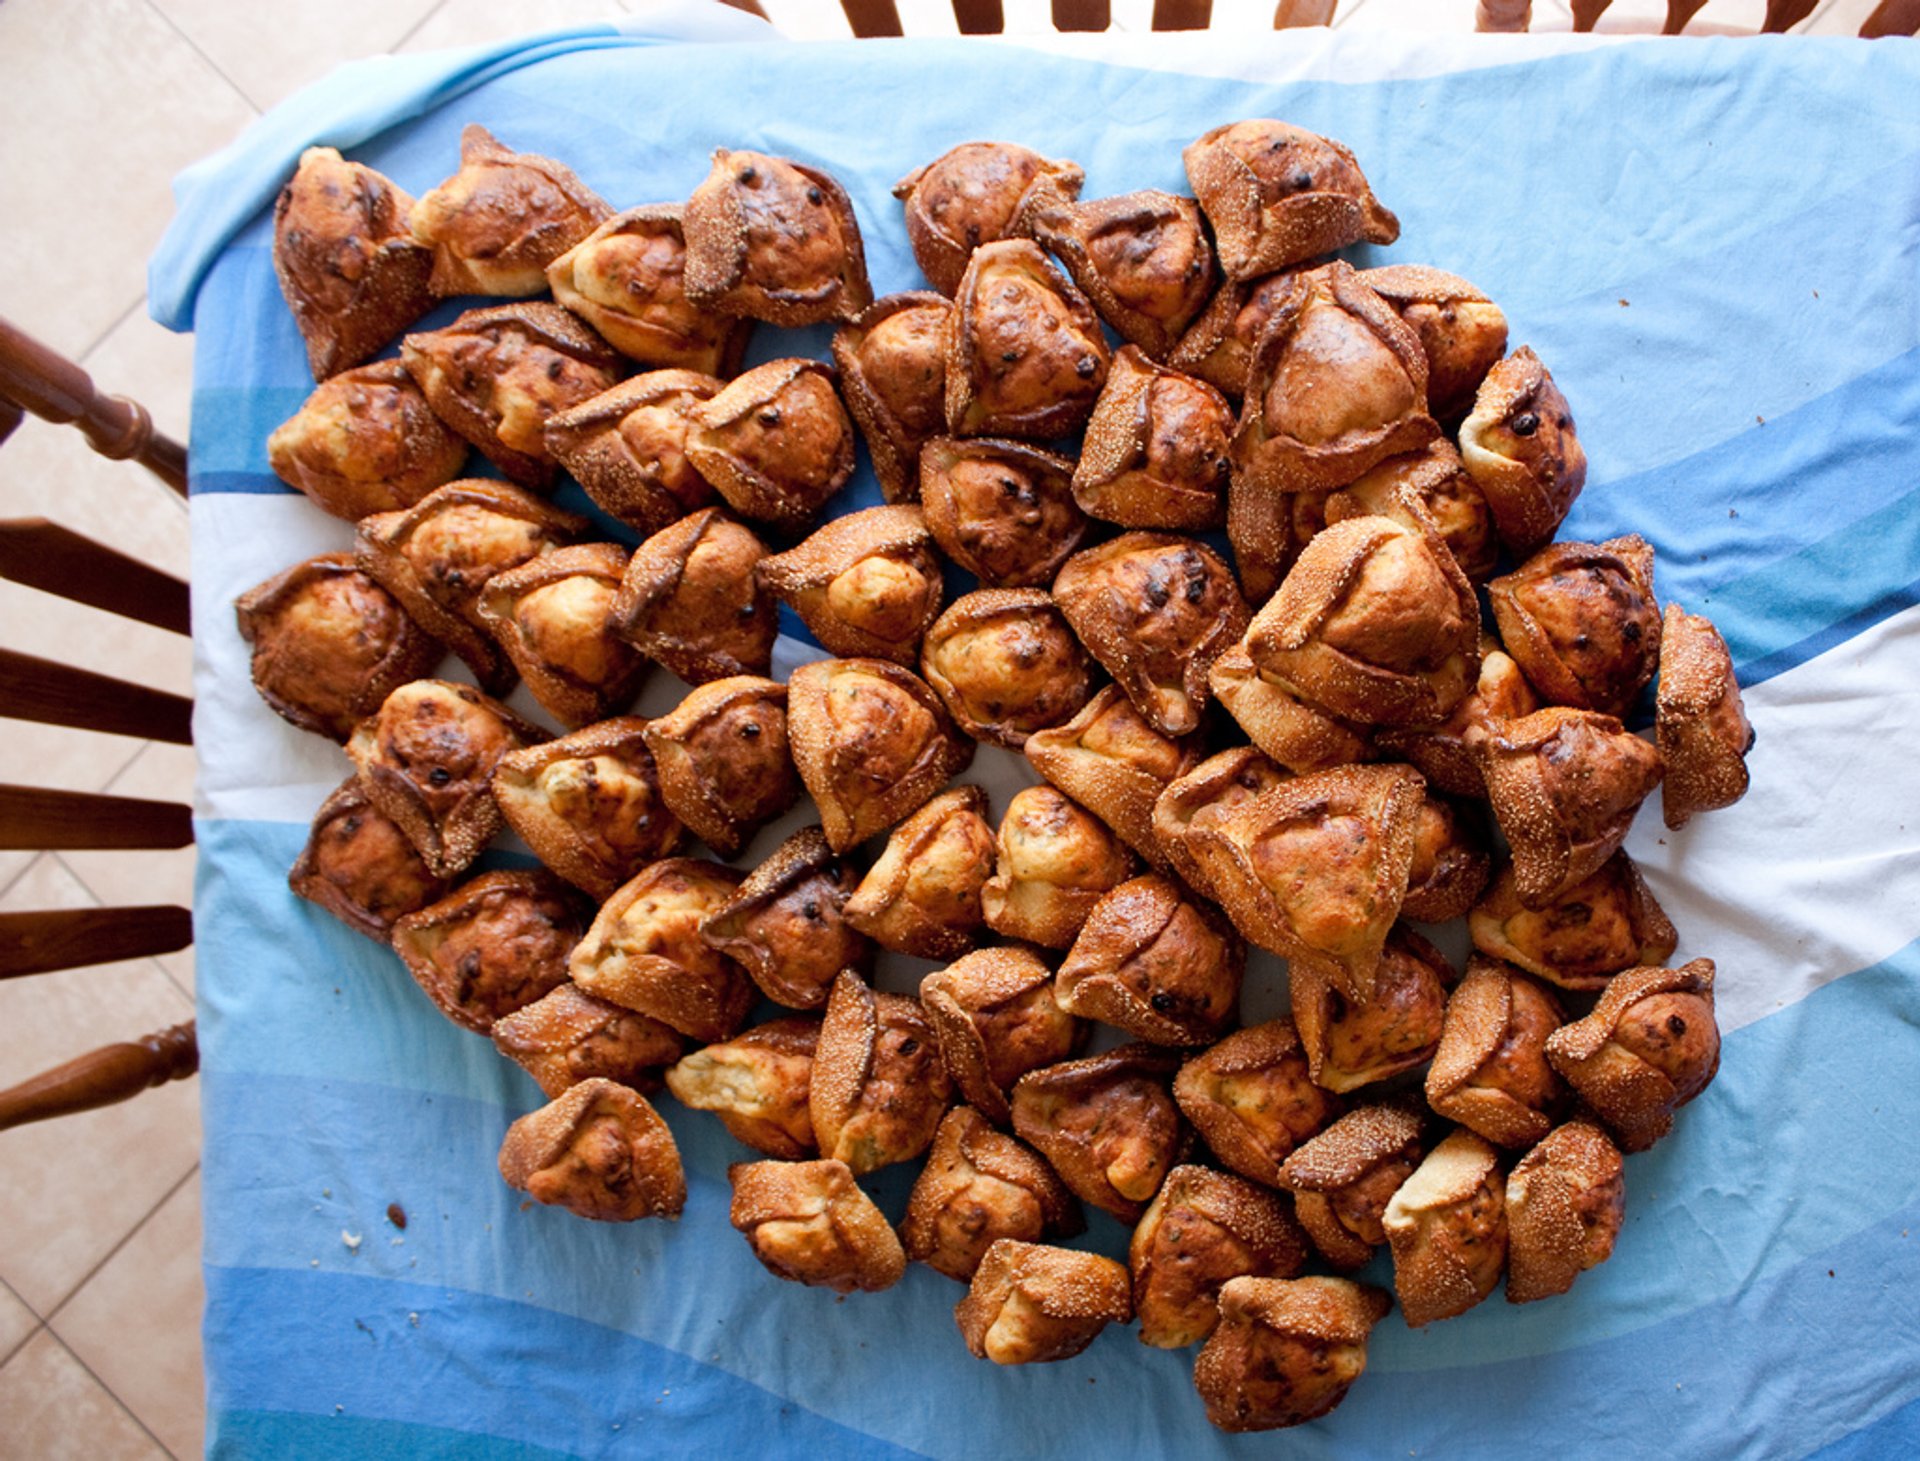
(51, 559)
(1890, 17)
(988, 17)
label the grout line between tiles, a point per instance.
(194, 46)
(38, 1324)
(53, 1318)
(128, 1409)
(414, 29)
(107, 334)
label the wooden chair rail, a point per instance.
(56, 560)
(102, 1077)
(42, 690)
(10, 418)
(72, 938)
(34, 818)
(1892, 17)
(870, 18)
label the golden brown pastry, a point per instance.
(1343, 1178)
(691, 600)
(365, 441)
(589, 804)
(1565, 1202)
(1025, 356)
(1444, 753)
(1445, 491)
(1581, 622)
(1447, 1226)
(872, 743)
(329, 644)
(775, 442)
(773, 240)
(496, 375)
(1252, 1100)
(1287, 1350)
(893, 374)
(1491, 1071)
(1218, 346)
(995, 1016)
(975, 194)
(1267, 531)
(723, 762)
(922, 897)
(1351, 1045)
(1650, 1046)
(1451, 864)
(1156, 962)
(1298, 736)
(787, 924)
(1108, 759)
(360, 867)
(1002, 510)
(1699, 723)
(493, 945)
(1462, 333)
(567, 1036)
(1277, 194)
(1108, 1124)
(426, 758)
(979, 1186)
(757, 1084)
(1521, 446)
(1054, 862)
(550, 615)
(1006, 664)
(1203, 1230)
(1606, 923)
(601, 1152)
(626, 280)
(1213, 788)
(628, 448)
(866, 583)
(1142, 258)
(879, 1089)
(346, 260)
(1155, 455)
(810, 1223)
(644, 951)
(1030, 1304)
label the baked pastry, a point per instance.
(1002, 510)
(975, 194)
(1699, 722)
(1565, 1202)
(359, 866)
(1581, 621)
(1603, 924)
(1491, 1072)
(426, 758)
(644, 951)
(1445, 492)
(1462, 333)
(1054, 861)
(922, 896)
(979, 1186)
(567, 1036)
(893, 374)
(1218, 346)
(492, 946)
(809, 1222)
(1108, 1124)
(872, 743)
(1155, 455)
(1030, 1304)
(550, 615)
(1213, 788)
(346, 260)
(365, 441)
(1298, 736)
(691, 600)
(1287, 1350)
(1204, 1229)
(867, 583)
(1343, 1178)
(589, 804)
(775, 442)
(1277, 195)
(1025, 356)
(1112, 762)
(1155, 962)
(1252, 1100)
(1451, 864)
(787, 926)
(1447, 1226)
(1444, 753)
(496, 375)
(626, 280)
(995, 1016)
(601, 1152)
(773, 240)
(627, 447)
(879, 1089)
(722, 759)
(1268, 529)
(1650, 1046)
(1521, 446)
(329, 644)
(758, 1084)
(1351, 1045)
(1142, 258)
(1005, 664)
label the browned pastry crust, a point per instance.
(1108, 1123)
(494, 945)
(644, 951)
(975, 194)
(866, 583)
(1030, 1304)
(893, 374)
(567, 1036)
(773, 240)
(723, 762)
(550, 615)
(1002, 510)
(879, 1088)
(1218, 347)
(1213, 788)
(1287, 1350)
(1277, 195)
(1462, 333)
(995, 1016)
(1606, 923)
(809, 1222)
(365, 441)
(979, 1186)
(922, 897)
(426, 758)
(625, 279)
(1155, 454)
(1650, 1046)
(1451, 863)
(1491, 1071)
(1351, 1045)
(1343, 1178)
(1267, 530)
(1115, 765)
(628, 448)
(1297, 735)
(1156, 962)
(786, 925)
(600, 1151)
(1024, 352)
(330, 644)
(1054, 862)
(1521, 446)
(872, 743)
(1142, 258)
(1699, 722)
(758, 1085)
(1565, 1202)
(589, 804)
(1447, 1226)
(359, 866)
(346, 260)
(1006, 664)
(496, 375)
(1444, 753)
(775, 442)
(1252, 1100)
(1204, 1229)
(1581, 622)
(692, 601)
(1445, 491)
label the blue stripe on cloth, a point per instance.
(240, 1435)
(1894, 1435)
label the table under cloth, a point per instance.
(1714, 245)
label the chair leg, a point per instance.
(102, 1077)
(1679, 12)
(1586, 12)
(1783, 15)
(1893, 18)
(1503, 15)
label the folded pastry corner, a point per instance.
(1565, 1202)
(1203, 1230)
(1155, 962)
(758, 1084)
(1700, 724)
(979, 1186)
(1107, 1123)
(1287, 1350)
(1024, 352)
(1651, 1044)
(974, 194)
(600, 1151)
(922, 895)
(1155, 454)
(1030, 1303)
(866, 583)
(1491, 1073)
(366, 441)
(1522, 448)
(492, 946)
(775, 442)
(1447, 1226)
(893, 374)
(1252, 1100)
(787, 925)
(1143, 258)
(810, 1223)
(996, 1018)
(774, 240)
(879, 1087)
(722, 755)
(1343, 1179)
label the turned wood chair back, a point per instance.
(1889, 18)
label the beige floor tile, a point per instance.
(136, 1323)
(479, 22)
(1840, 18)
(56, 1411)
(17, 1321)
(271, 51)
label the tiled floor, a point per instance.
(99, 1273)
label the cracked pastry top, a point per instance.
(567, 1036)
(996, 1018)
(1155, 454)
(691, 600)
(773, 240)
(787, 925)
(866, 583)
(757, 1084)
(1142, 258)
(1700, 724)
(365, 441)
(893, 374)
(1006, 664)
(359, 866)
(723, 761)
(1204, 1229)
(974, 194)
(494, 945)
(1520, 444)
(1156, 962)
(979, 1186)
(627, 447)
(1002, 510)
(551, 617)
(600, 1151)
(879, 1088)
(1252, 1099)
(1024, 351)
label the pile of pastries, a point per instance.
(1307, 736)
